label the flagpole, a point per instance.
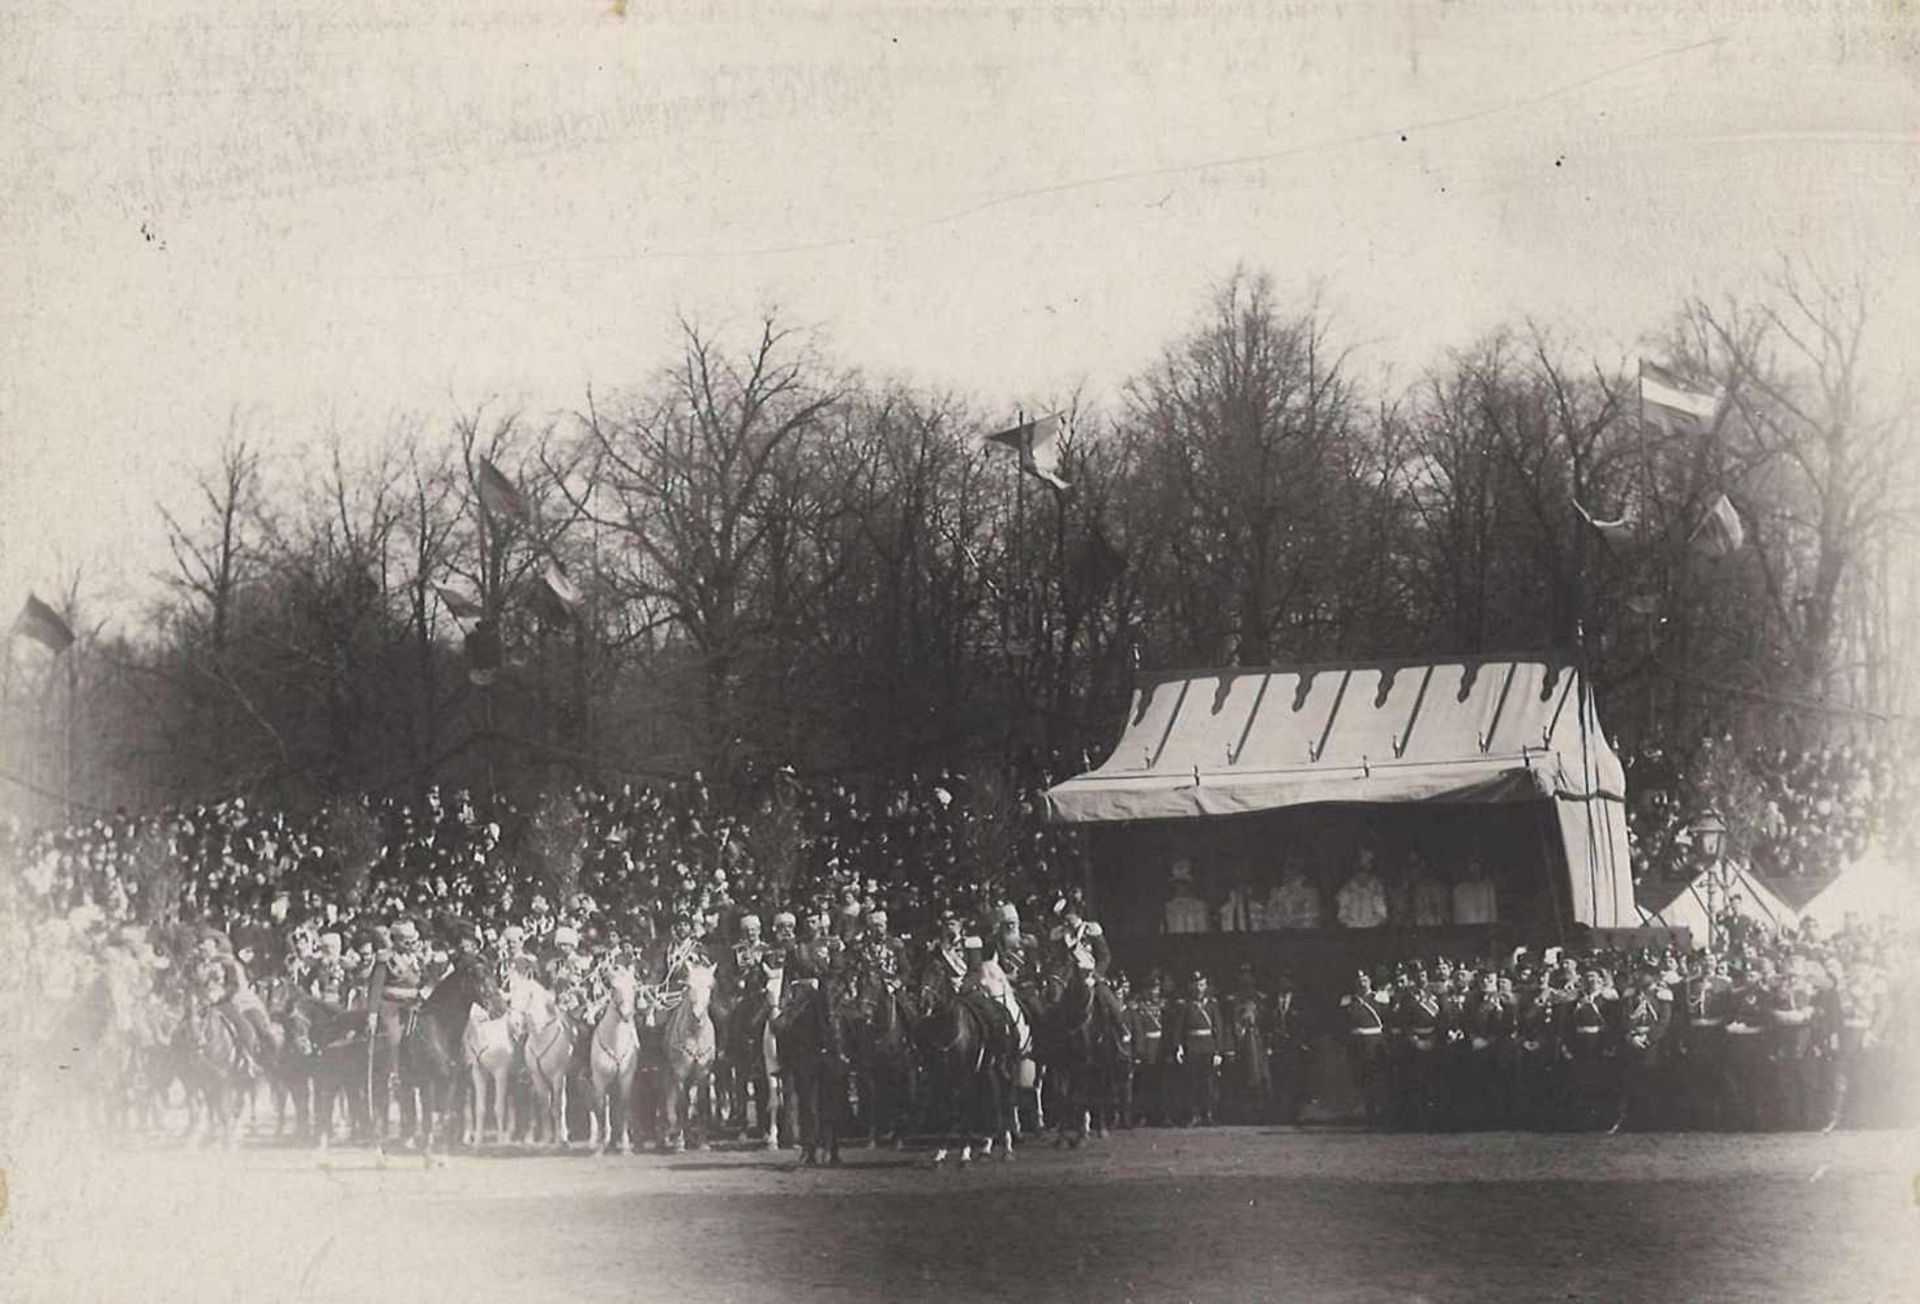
(1023, 614)
(73, 732)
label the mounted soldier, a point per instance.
(944, 971)
(1079, 945)
(568, 971)
(681, 952)
(396, 987)
(327, 977)
(221, 979)
(877, 960)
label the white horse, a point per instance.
(489, 1046)
(613, 1058)
(776, 1097)
(547, 1045)
(688, 1056)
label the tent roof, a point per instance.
(1683, 902)
(1218, 742)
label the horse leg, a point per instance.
(807, 1088)
(708, 1119)
(671, 1138)
(505, 1103)
(834, 1109)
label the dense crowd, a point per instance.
(616, 859)
(1794, 811)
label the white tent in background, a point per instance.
(1870, 888)
(1688, 903)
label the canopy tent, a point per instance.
(1689, 903)
(1226, 742)
(1871, 888)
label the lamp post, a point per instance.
(1707, 834)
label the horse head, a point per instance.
(699, 997)
(467, 984)
(623, 991)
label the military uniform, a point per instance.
(1790, 1055)
(1146, 1020)
(1486, 1046)
(1368, 1051)
(1843, 1022)
(1537, 1063)
(1195, 1035)
(1643, 1026)
(1417, 1033)
(1744, 1081)
(1587, 1038)
(395, 988)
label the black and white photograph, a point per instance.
(858, 651)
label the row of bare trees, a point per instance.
(769, 559)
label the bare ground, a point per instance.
(1227, 1214)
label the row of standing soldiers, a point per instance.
(1566, 1045)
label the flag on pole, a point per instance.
(560, 594)
(1721, 531)
(43, 625)
(499, 496)
(459, 605)
(1662, 389)
(1619, 530)
(1038, 444)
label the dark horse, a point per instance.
(430, 1050)
(213, 1069)
(334, 1047)
(1090, 1050)
(966, 1050)
(743, 1050)
(884, 1058)
(812, 1037)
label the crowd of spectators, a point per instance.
(1792, 812)
(615, 858)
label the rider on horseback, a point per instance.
(1080, 948)
(879, 959)
(945, 970)
(222, 979)
(569, 971)
(683, 950)
(395, 988)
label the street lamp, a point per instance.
(1707, 833)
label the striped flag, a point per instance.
(499, 496)
(1673, 397)
(43, 625)
(1038, 444)
(1721, 531)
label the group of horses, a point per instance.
(507, 1064)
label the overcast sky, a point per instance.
(333, 215)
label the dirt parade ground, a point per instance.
(1210, 1214)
